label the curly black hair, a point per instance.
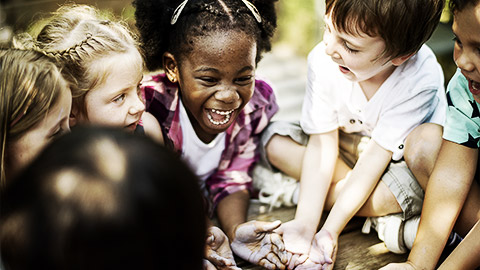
(158, 36)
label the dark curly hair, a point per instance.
(197, 18)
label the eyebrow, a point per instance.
(206, 69)
(474, 43)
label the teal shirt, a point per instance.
(462, 125)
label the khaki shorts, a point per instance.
(398, 178)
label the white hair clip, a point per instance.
(177, 12)
(254, 11)
(182, 5)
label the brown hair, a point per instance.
(30, 84)
(404, 25)
(77, 36)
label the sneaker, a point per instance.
(397, 234)
(275, 188)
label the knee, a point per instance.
(422, 146)
(274, 148)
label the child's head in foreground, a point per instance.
(366, 37)
(102, 198)
(103, 60)
(35, 104)
(210, 48)
(466, 27)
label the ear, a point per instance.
(401, 59)
(75, 114)
(170, 66)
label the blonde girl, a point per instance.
(103, 58)
(35, 105)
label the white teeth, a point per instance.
(222, 112)
(227, 118)
(475, 85)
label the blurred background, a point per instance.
(300, 28)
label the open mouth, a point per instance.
(344, 69)
(219, 117)
(474, 87)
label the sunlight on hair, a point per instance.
(111, 161)
(66, 182)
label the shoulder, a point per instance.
(422, 70)
(152, 127)
(458, 95)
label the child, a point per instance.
(210, 106)
(100, 198)
(106, 66)
(371, 77)
(452, 198)
(35, 105)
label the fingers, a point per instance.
(208, 265)
(265, 263)
(263, 226)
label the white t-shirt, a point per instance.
(413, 94)
(203, 158)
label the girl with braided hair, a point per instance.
(35, 104)
(105, 65)
(212, 109)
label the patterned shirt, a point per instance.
(463, 115)
(242, 137)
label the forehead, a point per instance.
(467, 21)
(222, 44)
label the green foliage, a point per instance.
(300, 24)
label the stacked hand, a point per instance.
(256, 242)
(217, 251)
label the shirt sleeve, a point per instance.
(463, 117)
(318, 111)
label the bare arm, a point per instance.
(152, 128)
(363, 180)
(232, 211)
(317, 172)
(465, 256)
(446, 192)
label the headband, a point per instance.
(182, 5)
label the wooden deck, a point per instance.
(356, 250)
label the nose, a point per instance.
(463, 61)
(330, 45)
(229, 95)
(137, 106)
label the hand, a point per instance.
(399, 266)
(296, 236)
(324, 249)
(256, 242)
(217, 251)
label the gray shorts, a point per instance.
(397, 176)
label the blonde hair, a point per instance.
(77, 36)
(30, 84)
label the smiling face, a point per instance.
(24, 149)
(116, 102)
(216, 79)
(466, 25)
(357, 56)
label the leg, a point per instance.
(286, 155)
(470, 213)
(421, 151)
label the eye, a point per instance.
(457, 41)
(118, 99)
(350, 50)
(244, 80)
(209, 81)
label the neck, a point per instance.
(371, 86)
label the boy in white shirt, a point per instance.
(371, 77)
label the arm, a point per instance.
(232, 211)
(446, 192)
(363, 180)
(317, 171)
(465, 256)
(152, 127)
